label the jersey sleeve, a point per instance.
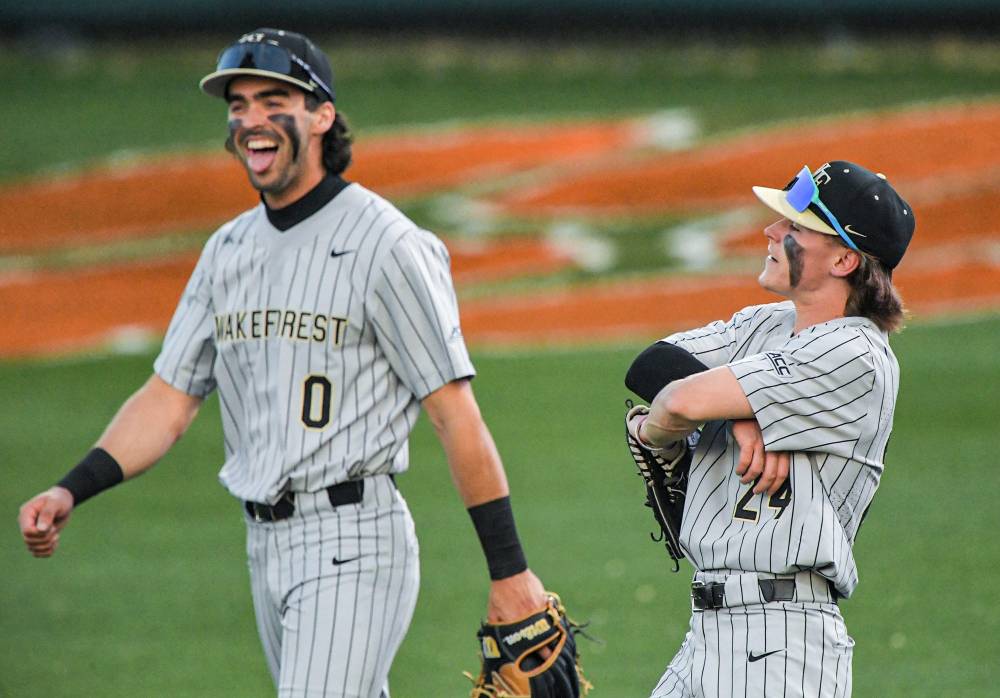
(811, 394)
(414, 311)
(717, 343)
(188, 354)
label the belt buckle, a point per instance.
(697, 595)
(707, 596)
(255, 513)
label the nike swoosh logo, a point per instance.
(338, 563)
(335, 253)
(854, 232)
(757, 657)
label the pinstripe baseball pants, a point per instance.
(756, 648)
(334, 591)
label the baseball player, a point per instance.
(325, 319)
(794, 403)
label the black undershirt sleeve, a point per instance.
(658, 365)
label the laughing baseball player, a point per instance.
(792, 404)
(325, 319)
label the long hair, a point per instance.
(336, 142)
(874, 297)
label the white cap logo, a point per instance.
(821, 176)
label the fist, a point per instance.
(42, 517)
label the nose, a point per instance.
(775, 231)
(253, 115)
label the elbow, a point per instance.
(677, 403)
(178, 426)
(638, 378)
(658, 365)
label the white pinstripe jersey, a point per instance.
(321, 340)
(827, 395)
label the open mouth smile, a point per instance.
(260, 152)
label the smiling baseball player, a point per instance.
(794, 402)
(325, 319)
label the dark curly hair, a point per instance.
(874, 297)
(336, 142)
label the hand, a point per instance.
(515, 597)
(770, 467)
(42, 518)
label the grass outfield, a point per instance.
(148, 594)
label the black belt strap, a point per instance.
(777, 589)
(349, 492)
(282, 509)
(711, 595)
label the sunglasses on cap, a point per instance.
(267, 56)
(803, 192)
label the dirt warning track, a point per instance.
(951, 175)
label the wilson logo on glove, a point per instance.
(513, 665)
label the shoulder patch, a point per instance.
(778, 363)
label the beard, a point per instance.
(287, 125)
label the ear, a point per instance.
(322, 118)
(845, 262)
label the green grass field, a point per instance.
(148, 594)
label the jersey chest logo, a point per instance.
(298, 325)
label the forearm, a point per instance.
(482, 484)
(684, 405)
(473, 460)
(475, 464)
(147, 425)
(478, 476)
(665, 422)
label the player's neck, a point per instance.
(815, 309)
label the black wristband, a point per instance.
(95, 473)
(494, 522)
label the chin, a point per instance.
(768, 284)
(265, 184)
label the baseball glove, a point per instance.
(665, 472)
(512, 665)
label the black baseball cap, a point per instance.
(845, 199)
(273, 53)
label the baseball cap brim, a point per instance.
(215, 83)
(775, 200)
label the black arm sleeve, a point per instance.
(658, 365)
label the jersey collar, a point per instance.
(297, 211)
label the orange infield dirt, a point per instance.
(947, 161)
(945, 148)
(203, 191)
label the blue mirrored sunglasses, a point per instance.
(804, 192)
(269, 57)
